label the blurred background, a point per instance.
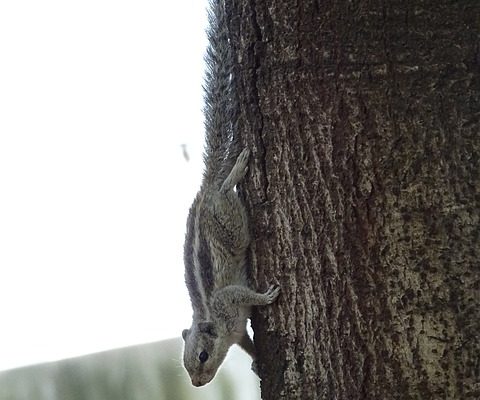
(101, 134)
(148, 371)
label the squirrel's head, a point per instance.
(204, 351)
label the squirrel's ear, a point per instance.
(184, 334)
(207, 327)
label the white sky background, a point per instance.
(96, 99)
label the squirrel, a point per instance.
(217, 237)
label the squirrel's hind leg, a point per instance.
(237, 173)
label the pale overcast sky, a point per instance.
(96, 99)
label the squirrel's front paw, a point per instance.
(271, 294)
(255, 367)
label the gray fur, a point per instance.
(215, 272)
(217, 236)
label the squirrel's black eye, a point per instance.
(203, 356)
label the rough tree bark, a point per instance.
(364, 194)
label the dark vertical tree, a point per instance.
(363, 118)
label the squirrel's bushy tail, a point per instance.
(219, 109)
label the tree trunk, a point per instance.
(364, 194)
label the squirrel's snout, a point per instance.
(201, 380)
(197, 382)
